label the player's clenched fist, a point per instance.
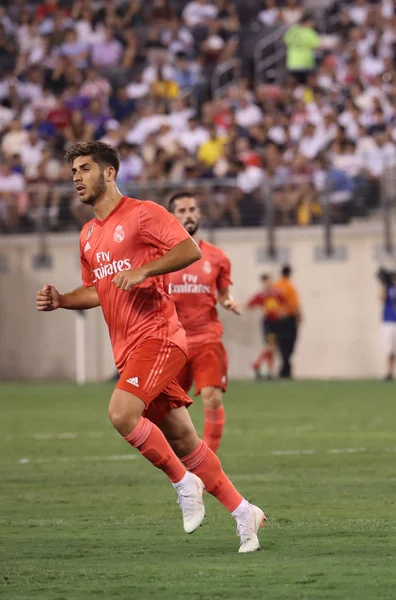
(232, 306)
(125, 280)
(48, 298)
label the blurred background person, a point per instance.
(289, 323)
(388, 327)
(270, 301)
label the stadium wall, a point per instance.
(340, 298)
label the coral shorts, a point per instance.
(206, 366)
(150, 375)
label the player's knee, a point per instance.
(212, 397)
(122, 416)
(123, 420)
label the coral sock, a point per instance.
(152, 444)
(213, 428)
(205, 464)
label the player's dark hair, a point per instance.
(103, 154)
(286, 271)
(178, 196)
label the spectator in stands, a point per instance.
(302, 41)
(12, 198)
(358, 11)
(96, 117)
(198, 13)
(14, 138)
(194, 136)
(30, 153)
(107, 53)
(131, 165)
(138, 89)
(247, 114)
(211, 150)
(122, 107)
(79, 130)
(184, 76)
(270, 14)
(95, 87)
(8, 52)
(250, 198)
(292, 13)
(74, 49)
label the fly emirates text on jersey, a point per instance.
(190, 285)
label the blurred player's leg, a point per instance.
(209, 367)
(200, 460)
(212, 399)
(268, 356)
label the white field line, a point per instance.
(64, 435)
(133, 456)
(65, 459)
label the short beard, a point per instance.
(98, 191)
(194, 229)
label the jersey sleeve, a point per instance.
(159, 228)
(224, 276)
(86, 274)
(256, 300)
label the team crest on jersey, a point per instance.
(207, 267)
(119, 234)
(89, 232)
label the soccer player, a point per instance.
(195, 291)
(125, 252)
(270, 301)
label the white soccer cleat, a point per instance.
(190, 498)
(248, 526)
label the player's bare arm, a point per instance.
(82, 298)
(180, 256)
(226, 300)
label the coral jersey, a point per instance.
(194, 292)
(134, 234)
(271, 302)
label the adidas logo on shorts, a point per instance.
(134, 381)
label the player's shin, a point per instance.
(152, 444)
(204, 463)
(249, 518)
(213, 428)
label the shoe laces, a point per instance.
(187, 501)
(244, 531)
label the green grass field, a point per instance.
(84, 516)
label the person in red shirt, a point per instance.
(195, 291)
(125, 252)
(270, 301)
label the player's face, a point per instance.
(187, 213)
(89, 179)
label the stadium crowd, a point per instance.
(140, 76)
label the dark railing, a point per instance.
(223, 205)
